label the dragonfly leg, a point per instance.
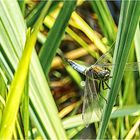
(103, 98)
(99, 87)
(101, 82)
(104, 88)
(108, 87)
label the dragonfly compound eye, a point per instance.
(106, 75)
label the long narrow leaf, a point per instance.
(43, 110)
(105, 19)
(76, 120)
(17, 86)
(49, 48)
(130, 12)
(137, 45)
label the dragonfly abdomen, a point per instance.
(77, 67)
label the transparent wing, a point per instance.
(133, 66)
(91, 102)
(105, 58)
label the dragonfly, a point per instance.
(96, 73)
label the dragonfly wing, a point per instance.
(132, 66)
(105, 58)
(91, 102)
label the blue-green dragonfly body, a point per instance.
(99, 72)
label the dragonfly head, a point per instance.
(104, 75)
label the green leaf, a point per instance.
(50, 46)
(14, 96)
(34, 14)
(25, 107)
(129, 80)
(105, 19)
(136, 41)
(43, 110)
(75, 121)
(3, 92)
(7, 125)
(129, 16)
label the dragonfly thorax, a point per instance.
(98, 73)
